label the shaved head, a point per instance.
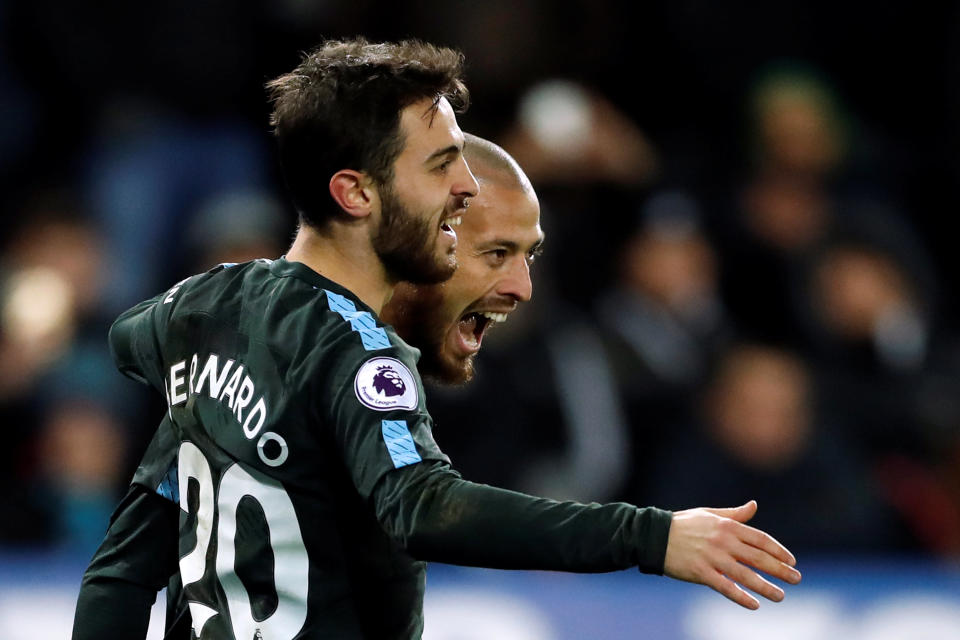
(491, 164)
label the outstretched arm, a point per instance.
(435, 515)
(715, 548)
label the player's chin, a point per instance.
(436, 269)
(451, 370)
(446, 265)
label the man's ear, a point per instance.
(354, 192)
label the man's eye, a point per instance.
(442, 168)
(497, 256)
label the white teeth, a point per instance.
(496, 317)
(454, 221)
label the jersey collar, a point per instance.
(282, 267)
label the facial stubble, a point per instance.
(418, 316)
(407, 245)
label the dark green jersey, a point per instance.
(299, 448)
(289, 402)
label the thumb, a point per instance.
(743, 513)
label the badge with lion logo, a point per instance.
(384, 384)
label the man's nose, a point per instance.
(466, 184)
(517, 283)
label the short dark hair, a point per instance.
(340, 109)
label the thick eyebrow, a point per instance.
(452, 149)
(538, 245)
(512, 246)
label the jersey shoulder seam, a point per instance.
(363, 323)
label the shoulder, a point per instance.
(358, 336)
(369, 358)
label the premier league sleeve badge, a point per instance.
(385, 384)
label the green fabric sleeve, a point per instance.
(134, 562)
(358, 429)
(437, 516)
(111, 608)
(134, 344)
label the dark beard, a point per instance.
(416, 321)
(407, 245)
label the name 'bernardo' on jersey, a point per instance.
(235, 391)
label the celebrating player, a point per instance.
(303, 458)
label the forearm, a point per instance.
(437, 516)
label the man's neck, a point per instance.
(343, 254)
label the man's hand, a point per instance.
(714, 547)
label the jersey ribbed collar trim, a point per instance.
(285, 268)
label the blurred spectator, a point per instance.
(145, 179)
(567, 133)
(663, 323)
(556, 427)
(236, 226)
(763, 436)
(883, 363)
(863, 298)
(82, 447)
(588, 162)
(796, 200)
(799, 125)
(58, 389)
(665, 304)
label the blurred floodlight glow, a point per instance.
(36, 614)
(798, 617)
(558, 115)
(917, 617)
(38, 303)
(465, 614)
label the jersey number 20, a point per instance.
(285, 539)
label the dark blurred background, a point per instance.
(749, 282)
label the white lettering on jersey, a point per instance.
(176, 383)
(235, 394)
(209, 374)
(216, 517)
(173, 291)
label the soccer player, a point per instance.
(497, 242)
(311, 486)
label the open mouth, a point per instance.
(473, 325)
(448, 225)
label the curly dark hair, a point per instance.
(340, 109)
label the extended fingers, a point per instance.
(763, 561)
(766, 543)
(754, 581)
(720, 583)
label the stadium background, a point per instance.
(748, 291)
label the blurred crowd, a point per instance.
(749, 303)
